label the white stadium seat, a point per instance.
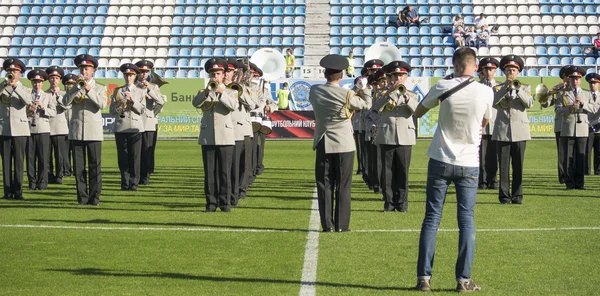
(165, 31)
(161, 63)
(500, 9)
(105, 52)
(523, 9)
(140, 41)
(559, 30)
(506, 50)
(501, 20)
(530, 51)
(113, 10)
(127, 52)
(531, 62)
(537, 30)
(495, 51)
(161, 52)
(109, 31)
(494, 40)
(477, 10)
(150, 52)
(558, 19)
(526, 30)
(582, 30)
(102, 62)
(527, 40)
(131, 31)
(517, 50)
(534, 9)
(516, 40)
(547, 19)
(129, 41)
(111, 21)
(571, 30)
(163, 41)
(535, 19)
(151, 41)
(514, 30)
(504, 40)
(142, 31)
(512, 9)
(592, 19)
(524, 19)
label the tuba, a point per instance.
(271, 62)
(385, 51)
(391, 104)
(543, 95)
(156, 79)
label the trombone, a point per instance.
(543, 94)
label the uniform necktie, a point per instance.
(594, 97)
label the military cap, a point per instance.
(488, 63)
(255, 69)
(38, 75)
(593, 78)
(233, 64)
(144, 65)
(397, 67)
(69, 79)
(215, 64)
(374, 64)
(129, 68)
(512, 61)
(380, 74)
(371, 79)
(84, 60)
(563, 71)
(575, 71)
(334, 62)
(55, 71)
(13, 64)
(363, 71)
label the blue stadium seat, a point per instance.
(414, 51)
(437, 41)
(449, 51)
(552, 51)
(439, 73)
(427, 73)
(434, 20)
(427, 62)
(426, 41)
(561, 40)
(554, 61)
(578, 61)
(590, 61)
(555, 72)
(392, 40)
(542, 61)
(368, 41)
(415, 73)
(564, 51)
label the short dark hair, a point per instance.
(463, 56)
(332, 75)
(285, 84)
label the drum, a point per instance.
(256, 119)
(267, 126)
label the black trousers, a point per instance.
(12, 150)
(574, 148)
(488, 158)
(508, 151)
(260, 154)
(395, 161)
(129, 151)
(68, 170)
(235, 172)
(593, 154)
(147, 155)
(38, 160)
(374, 167)
(333, 173)
(245, 166)
(254, 144)
(560, 157)
(58, 156)
(367, 158)
(89, 152)
(217, 175)
(359, 142)
(153, 151)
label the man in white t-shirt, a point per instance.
(454, 157)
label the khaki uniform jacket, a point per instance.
(216, 127)
(358, 119)
(132, 120)
(512, 123)
(59, 124)
(153, 102)
(263, 98)
(570, 127)
(594, 117)
(372, 117)
(557, 119)
(332, 124)
(86, 122)
(396, 127)
(240, 116)
(13, 116)
(43, 115)
(489, 128)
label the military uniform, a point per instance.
(128, 107)
(68, 82)
(59, 129)
(488, 156)
(557, 126)
(86, 133)
(334, 144)
(153, 102)
(217, 139)
(511, 131)
(371, 152)
(14, 129)
(38, 144)
(593, 145)
(395, 137)
(575, 128)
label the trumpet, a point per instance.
(400, 89)
(212, 85)
(81, 83)
(543, 95)
(515, 84)
(10, 76)
(237, 87)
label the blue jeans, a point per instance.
(439, 177)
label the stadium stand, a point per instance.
(179, 35)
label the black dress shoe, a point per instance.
(327, 230)
(95, 204)
(482, 186)
(517, 201)
(580, 188)
(376, 189)
(133, 188)
(58, 181)
(210, 210)
(359, 172)
(226, 209)
(7, 197)
(145, 181)
(124, 187)
(493, 186)
(18, 197)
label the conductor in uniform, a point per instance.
(153, 102)
(574, 105)
(488, 156)
(85, 130)
(38, 145)
(334, 143)
(511, 128)
(396, 136)
(14, 128)
(127, 105)
(216, 136)
(59, 128)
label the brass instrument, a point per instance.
(235, 84)
(10, 76)
(543, 95)
(401, 89)
(121, 106)
(504, 102)
(156, 79)
(212, 86)
(79, 99)
(81, 83)
(515, 84)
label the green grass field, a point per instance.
(157, 241)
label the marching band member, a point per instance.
(216, 136)
(594, 139)
(59, 128)
(396, 136)
(575, 127)
(488, 156)
(334, 143)
(371, 155)
(153, 101)
(511, 128)
(247, 104)
(85, 130)
(358, 127)
(128, 108)
(68, 82)
(42, 108)
(14, 128)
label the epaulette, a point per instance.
(498, 87)
(523, 84)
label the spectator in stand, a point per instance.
(458, 35)
(350, 71)
(290, 62)
(596, 48)
(408, 16)
(471, 39)
(481, 22)
(483, 37)
(458, 21)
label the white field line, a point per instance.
(311, 252)
(259, 230)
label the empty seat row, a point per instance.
(235, 31)
(64, 10)
(53, 31)
(399, 2)
(235, 10)
(162, 2)
(241, 41)
(235, 21)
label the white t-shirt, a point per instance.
(479, 22)
(458, 133)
